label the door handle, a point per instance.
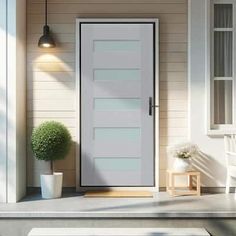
(151, 106)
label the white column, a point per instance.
(16, 100)
(3, 76)
(212, 162)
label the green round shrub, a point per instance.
(50, 141)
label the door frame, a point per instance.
(156, 99)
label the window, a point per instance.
(222, 66)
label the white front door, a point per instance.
(117, 94)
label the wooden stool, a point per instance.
(174, 190)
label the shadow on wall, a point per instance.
(211, 170)
(50, 94)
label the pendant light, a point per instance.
(46, 40)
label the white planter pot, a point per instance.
(182, 165)
(51, 185)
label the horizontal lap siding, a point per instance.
(51, 73)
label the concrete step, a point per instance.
(118, 232)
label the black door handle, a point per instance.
(151, 106)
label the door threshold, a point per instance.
(118, 194)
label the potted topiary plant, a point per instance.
(51, 141)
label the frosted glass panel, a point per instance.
(117, 164)
(117, 74)
(117, 134)
(223, 54)
(223, 16)
(223, 102)
(116, 45)
(117, 104)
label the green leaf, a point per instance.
(50, 141)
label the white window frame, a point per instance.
(218, 129)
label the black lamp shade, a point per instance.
(46, 40)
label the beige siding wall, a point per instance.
(51, 72)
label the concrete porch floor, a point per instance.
(214, 212)
(74, 205)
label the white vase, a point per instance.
(51, 185)
(182, 165)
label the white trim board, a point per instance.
(151, 20)
(212, 147)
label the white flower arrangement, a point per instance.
(183, 150)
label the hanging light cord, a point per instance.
(46, 40)
(46, 12)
